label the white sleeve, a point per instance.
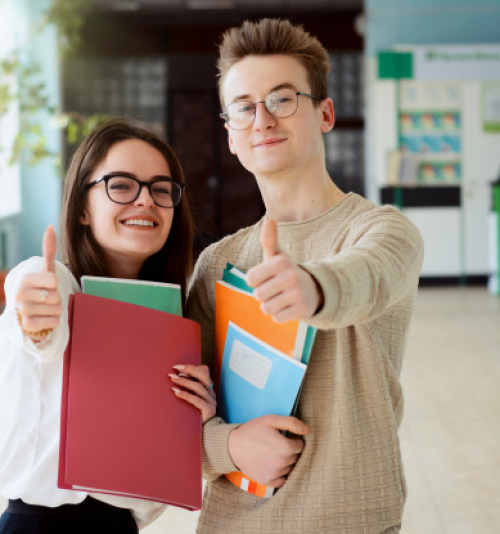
(9, 326)
(144, 512)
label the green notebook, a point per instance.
(155, 295)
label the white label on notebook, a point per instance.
(249, 364)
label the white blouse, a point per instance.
(30, 402)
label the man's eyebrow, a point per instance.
(283, 86)
(278, 87)
(240, 97)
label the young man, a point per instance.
(338, 262)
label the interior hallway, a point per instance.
(450, 436)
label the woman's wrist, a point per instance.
(37, 337)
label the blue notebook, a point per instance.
(256, 379)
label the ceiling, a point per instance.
(179, 6)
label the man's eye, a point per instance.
(244, 108)
(280, 99)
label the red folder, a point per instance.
(123, 431)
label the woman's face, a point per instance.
(128, 233)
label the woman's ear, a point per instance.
(84, 218)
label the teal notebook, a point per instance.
(306, 335)
(155, 295)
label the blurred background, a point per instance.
(416, 91)
(415, 88)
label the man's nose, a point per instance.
(263, 118)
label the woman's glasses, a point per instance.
(123, 189)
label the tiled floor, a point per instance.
(450, 436)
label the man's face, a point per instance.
(273, 145)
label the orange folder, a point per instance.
(243, 309)
(123, 431)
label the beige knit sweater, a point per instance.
(349, 478)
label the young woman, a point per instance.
(124, 215)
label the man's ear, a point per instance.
(327, 115)
(230, 140)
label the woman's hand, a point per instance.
(197, 388)
(38, 298)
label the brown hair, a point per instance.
(81, 252)
(275, 36)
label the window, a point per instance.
(10, 189)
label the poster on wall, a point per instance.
(429, 125)
(457, 62)
(491, 107)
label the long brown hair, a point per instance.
(81, 252)
(275, 36)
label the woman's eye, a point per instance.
(120, 186)
(162, 189)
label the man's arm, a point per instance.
(380, 265)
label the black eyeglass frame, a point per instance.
(141, 183)
(224, 116)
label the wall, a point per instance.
(391, 23)
(456, 243)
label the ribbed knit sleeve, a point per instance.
(376, 267)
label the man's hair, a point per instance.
(274, 36)
(80, 251)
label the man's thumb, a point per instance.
(293, 425)
(269, 238)
(49, 249)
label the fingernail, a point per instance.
(171, 375)
(176, 390)
(179, 366)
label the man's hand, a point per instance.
(38, 297)
(285, 290)
(262, 452)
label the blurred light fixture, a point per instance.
(360, 24)
(211, 4)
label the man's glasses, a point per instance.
(281, 104)
(124, 189)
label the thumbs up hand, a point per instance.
(49, 249)
(285, 290)
(38, 298)
(269, 239)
